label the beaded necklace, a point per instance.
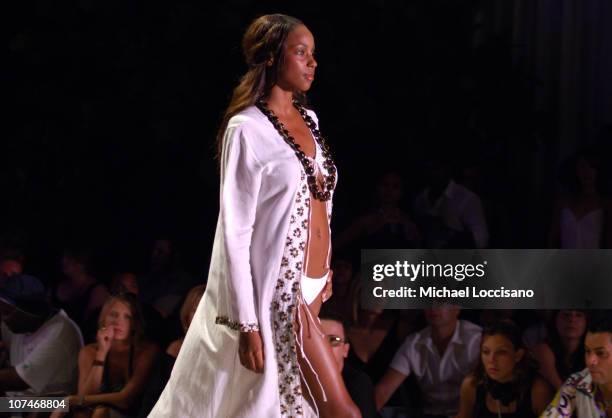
(323, 192)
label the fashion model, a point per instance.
(254, 348)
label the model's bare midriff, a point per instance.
(317, 244)
(318, 239)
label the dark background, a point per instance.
(113, 107)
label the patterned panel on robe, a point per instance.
(287, 297)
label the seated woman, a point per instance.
(113, 371)
(187, 311)
(157, 328)
(505, 383)
(562, 353)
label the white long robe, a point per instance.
(253, 283)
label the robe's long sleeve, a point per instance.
(241, 180)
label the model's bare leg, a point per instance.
(318, 351)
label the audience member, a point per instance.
(166, 283)
(358, 384)
(439, 356)
(124, 282)
(537, 332)
(505, 382)
(78, 292)
(388, 225)
(113, 371)
(187, 311)
(587, 393)
(342, 287)
(11, 264)
(373, 334)
(156, 327)
(448, 214)
(582, 215)
(562, 353)
(40, 344)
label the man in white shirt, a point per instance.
(450, 215)
(439, 356)
(41, 345)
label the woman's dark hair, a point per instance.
(525, 369)
(553, 339)
(262, 43)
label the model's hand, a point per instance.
(250, 351)
(328, 289)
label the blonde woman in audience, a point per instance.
(114, 369)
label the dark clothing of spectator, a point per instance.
(378, 364)
(523, 407)
(359, 386)
(157, 382)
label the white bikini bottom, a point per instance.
(311, 287)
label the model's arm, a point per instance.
(546, 359)
(387, 386)
(241, 178)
